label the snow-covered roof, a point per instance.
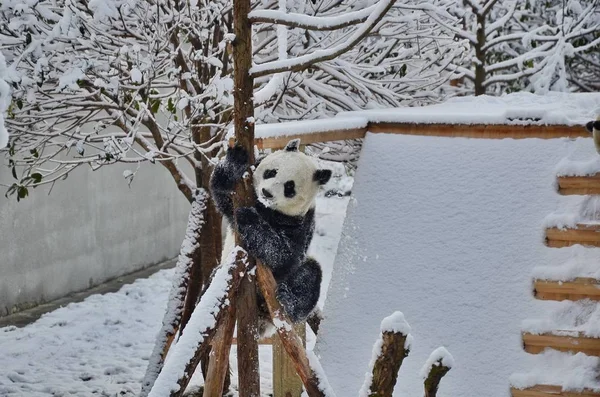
(511, 109)
(517, 108)
(451, 231)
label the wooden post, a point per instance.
(286, 382)
(432, 382)
(314, 385)
(219, 356)
(385, 370)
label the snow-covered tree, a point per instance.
(527, 44)
(98, 82)
(403, 61)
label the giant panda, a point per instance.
(278, 229)
(594, 128)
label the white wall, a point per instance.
(91, 228)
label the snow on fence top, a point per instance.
(513, 109)
(567, 111)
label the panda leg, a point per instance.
(300, 291)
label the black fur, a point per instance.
(280, 241)
(322, 176)
(593, 125)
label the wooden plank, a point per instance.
(481, 131)
(315, 385)
(279, 142)
(579, 185)
(550, 391)
(478, 131)
(537, 343)
(261, 341)
(579, 288)
(286, 382)
(583, 234)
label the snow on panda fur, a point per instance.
(280, 227)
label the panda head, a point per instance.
(288, 180)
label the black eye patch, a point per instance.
(289, 189)
(269, 174)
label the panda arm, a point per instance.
(224, 177)
(265, 243)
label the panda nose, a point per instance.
(267, 193)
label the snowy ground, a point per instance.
(100, 347)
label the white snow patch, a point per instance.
(567, 167)
(136, 76)
(561, 220)
(395, 323)
(306, 127)
(572, 372)
(568, 318)
(439, 355)
(581, 264)
(315, 365)
(515, 108)
(279, 324)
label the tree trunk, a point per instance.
(243, 121)
(432, 381)
(480, 54)
(385, 370)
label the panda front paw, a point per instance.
(237, 157)
(286, 299)
(246, 216)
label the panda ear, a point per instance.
(590, 126)
(293, 145)
(322, 176)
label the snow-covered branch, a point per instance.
(295, 20)
(172, 318)
(305, 61)
(202, 327)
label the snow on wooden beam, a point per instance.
(584, 234)
(577, 289)
(279, 142)
(276, 138)
(536, 344)
(579, 185)
(550, 391)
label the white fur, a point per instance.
(596, 136)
